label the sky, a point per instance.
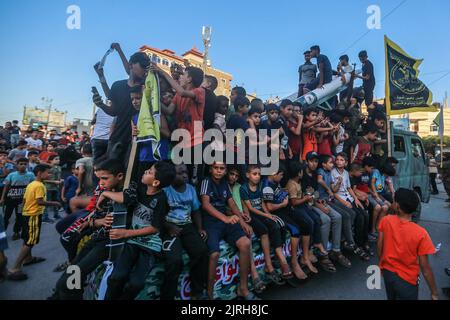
(259, 42)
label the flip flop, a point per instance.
(34, 260)
(17, 276)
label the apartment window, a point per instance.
(154, 58)
(165, 62)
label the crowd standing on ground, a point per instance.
(332, 194)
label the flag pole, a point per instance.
(389, 137)
(441, 130)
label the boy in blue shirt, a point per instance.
(12, 197)
(215, 196)
(183, 230)
(69, 189)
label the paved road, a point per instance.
(345, 284)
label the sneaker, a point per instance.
(48, 220)
(15, 236)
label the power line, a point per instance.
(440, 78)
(382, 19)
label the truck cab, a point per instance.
(412, 169)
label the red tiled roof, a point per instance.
(165, 52)
(193, 51)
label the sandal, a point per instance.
(286, 275)
(34, 260)
(61, 267)
(326, 264)
(258, 285)
(368, 250)
(17, 276)
(341, 259)
(361, 253)
(275, 278)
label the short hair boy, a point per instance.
(403, 248)
(111, 174)
(33, 207)
(183, 229)
(215, 195)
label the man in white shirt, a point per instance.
(102, 129)
(33, 142)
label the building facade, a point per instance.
(422, 122)
(165, 58)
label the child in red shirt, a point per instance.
(403, 248)
(364, 147)
(187, 107)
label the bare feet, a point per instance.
(298, 272)
(312, 258)
(309, 264)
(242, 292)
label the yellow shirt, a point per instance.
(34, 191)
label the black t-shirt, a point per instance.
(123, 110)
(210, 109)
(309, 181)
(327, 70)
(147, 210)
(236, 121)
(368, 69)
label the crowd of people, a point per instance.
(332, 193)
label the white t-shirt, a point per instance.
(103, 125)
(345, 184)
(34, 143)
(340, 146)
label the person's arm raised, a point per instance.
(175, 85)
(119, 50)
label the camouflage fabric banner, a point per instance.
(227, 275)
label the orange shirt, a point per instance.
(403, 243)
(309, 142)
(187, 112)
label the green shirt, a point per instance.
(54, 174)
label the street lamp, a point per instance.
(206, 36)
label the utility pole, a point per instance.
(441, 128)
(47, 104)
(206, 37)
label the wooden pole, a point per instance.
(389, 137)
(441, 130)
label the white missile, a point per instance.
(320, 96)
